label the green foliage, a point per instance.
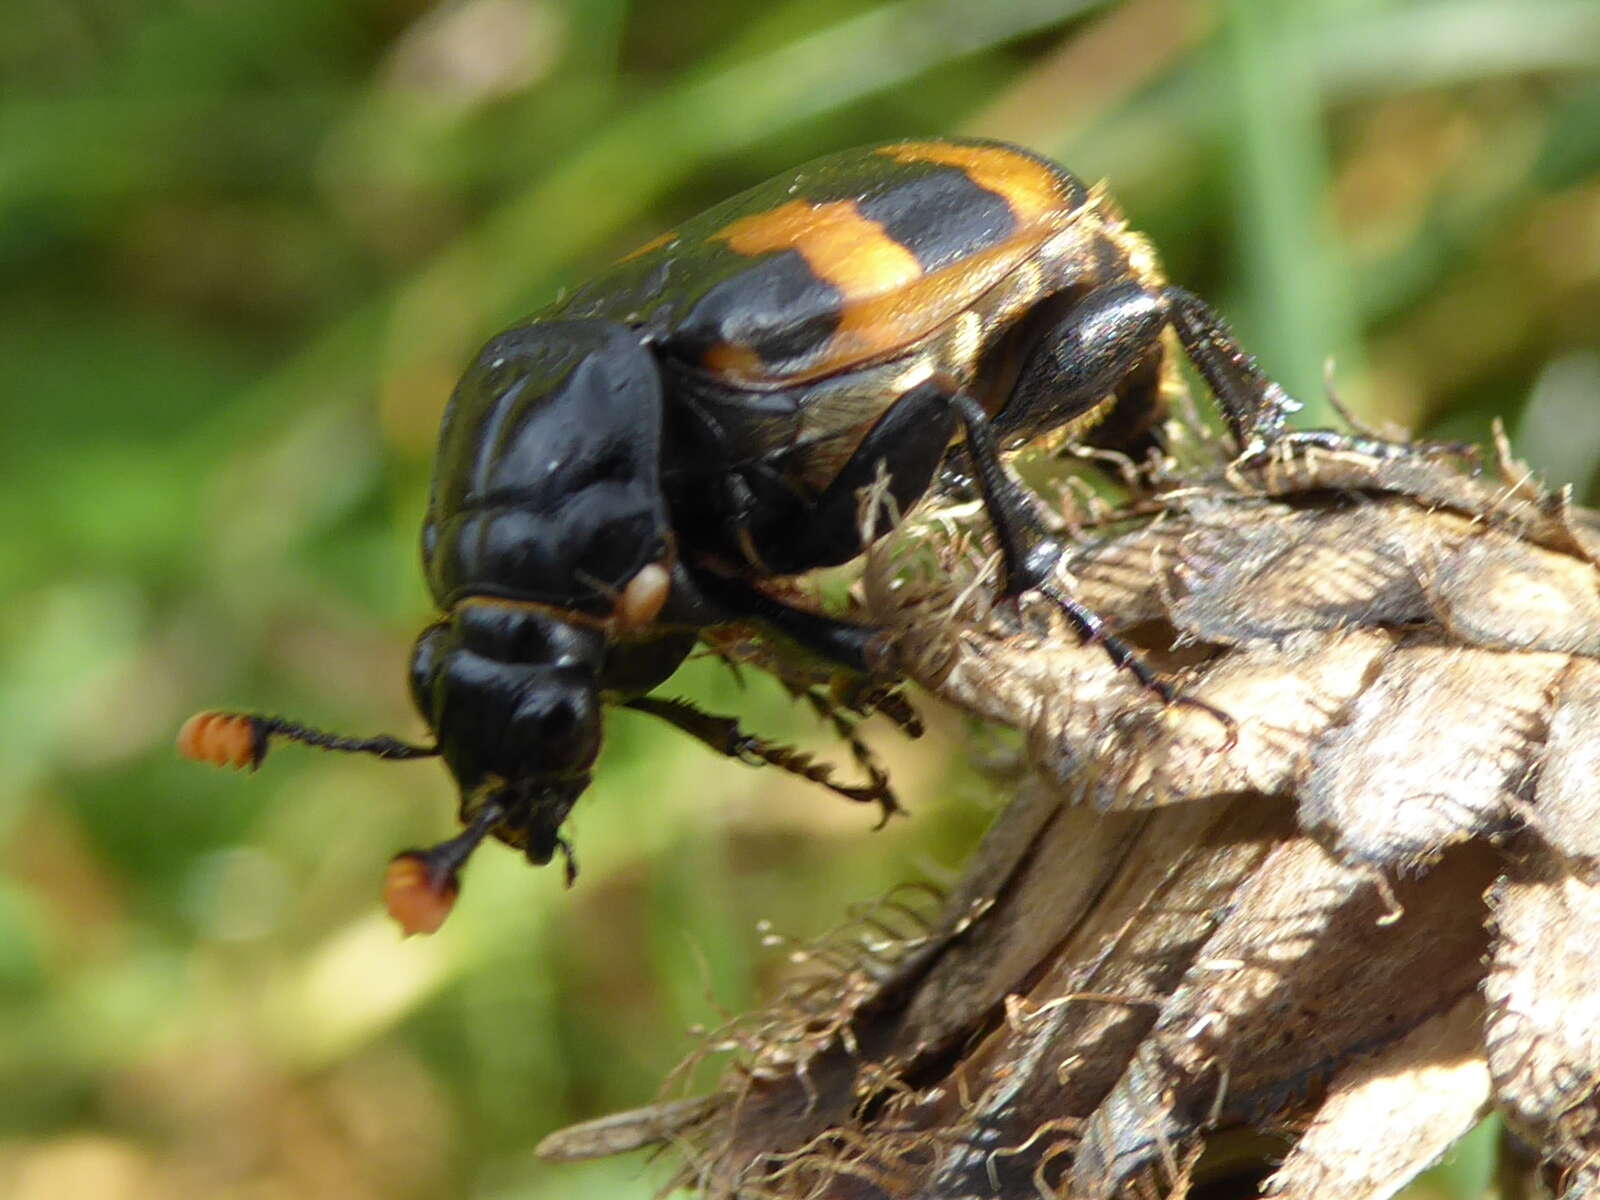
(246, 246)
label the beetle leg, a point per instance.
(828, 709)
(1077, 362)
(740, 503)
(733, 495)
(1030, 556)
(1028, 553)
(843, 642)
(724, 735)
(1251, 403)
(775, 528)
(1334, 439)
(904, 447)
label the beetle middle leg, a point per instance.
(1030, 557)
(905, 445)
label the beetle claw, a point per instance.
(1230, 727)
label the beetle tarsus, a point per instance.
(1230, 727)
(1093, 630)
(1336, 440)
(877, 790)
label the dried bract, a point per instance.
(1300, 957)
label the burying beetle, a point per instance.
(632, 467)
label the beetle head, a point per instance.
(511, 693)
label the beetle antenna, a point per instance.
(241, 740)
(421, 886)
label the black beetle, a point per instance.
(634, 465)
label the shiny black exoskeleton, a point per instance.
(632, 466)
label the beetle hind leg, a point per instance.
(898, 456)
(1252, 404)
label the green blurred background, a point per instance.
(246, 246)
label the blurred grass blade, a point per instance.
(1295, 313)
(477, 283)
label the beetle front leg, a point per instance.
(724, 735)
(844, 642)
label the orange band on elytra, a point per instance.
(1030, 187)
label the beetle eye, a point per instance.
(425, 656)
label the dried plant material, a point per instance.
(1393, 1114)
(1265, 572)
(1563, 812)
(1480, 714)
(1495, 591)
(1308, 972)
(1543, 1028)
(1200, 957)
(619, 1133)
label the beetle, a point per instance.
(639, 464)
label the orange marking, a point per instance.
(890, 321)
(1032, 189)
(889, 302)
(843, 248)
(877, 325)
(635, 606)
(857, 256)
(654, 243)
(219, 739)
(417, 901)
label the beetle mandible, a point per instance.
(632, 466)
